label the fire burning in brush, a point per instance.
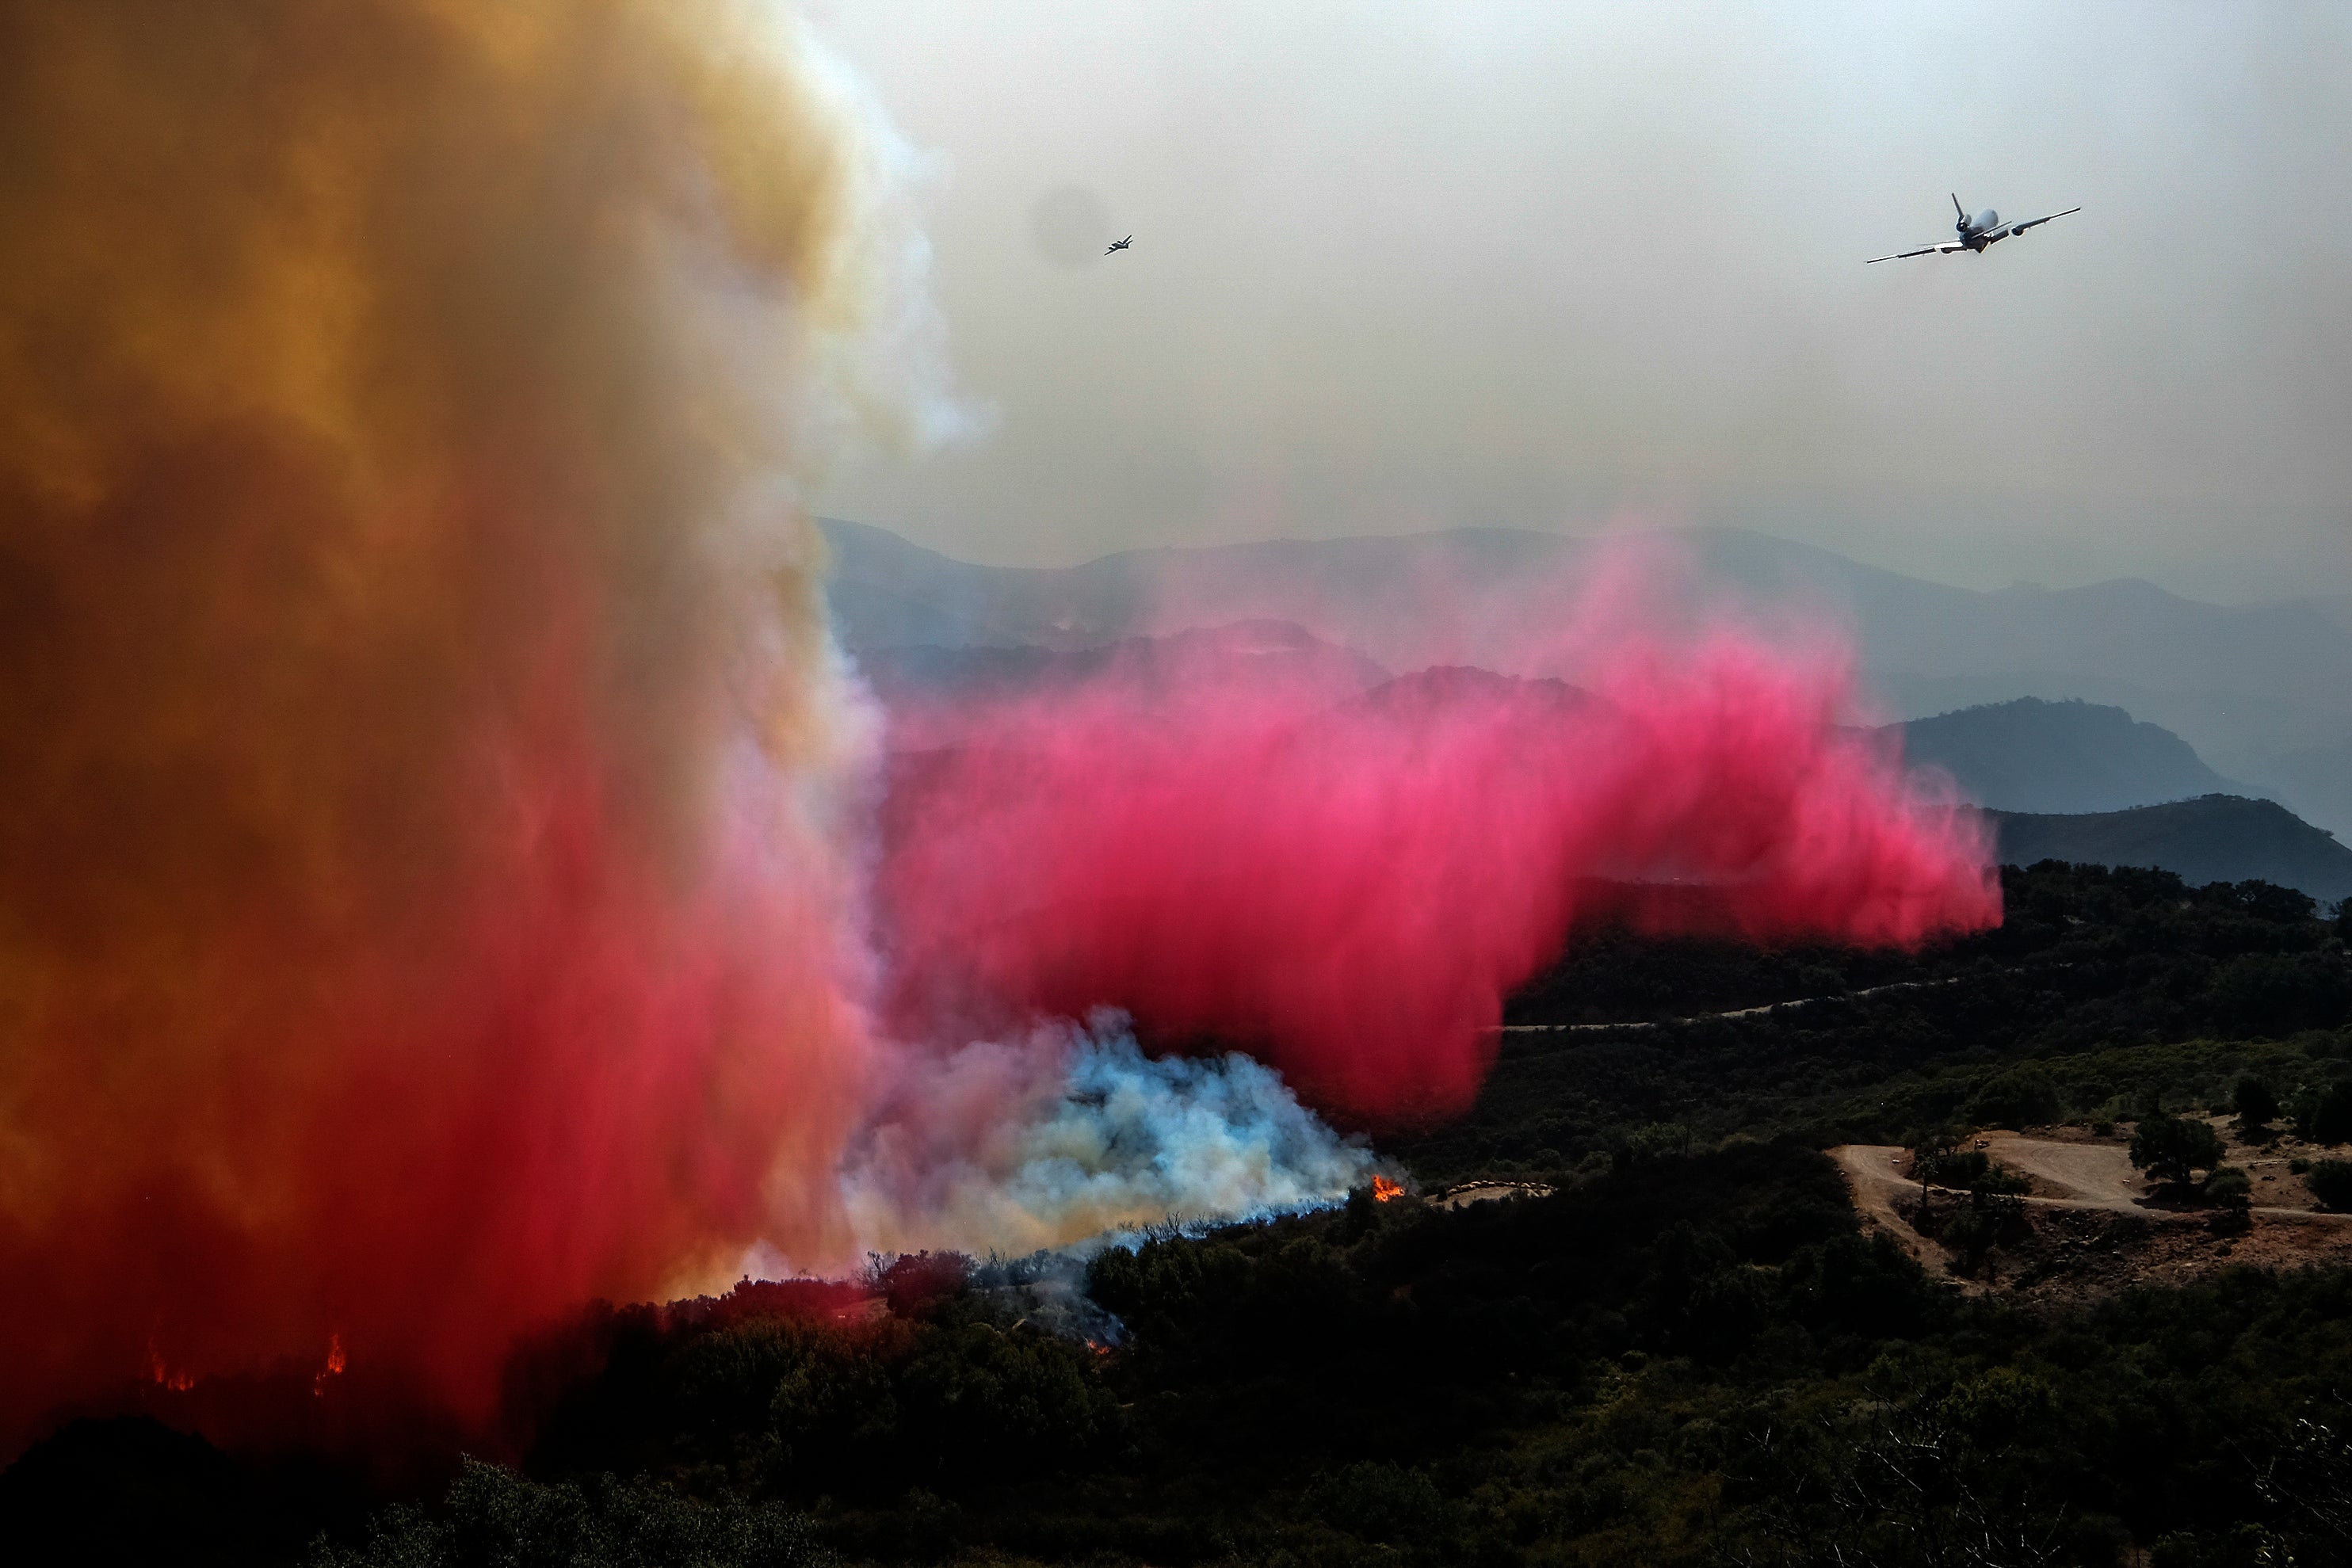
(439, 874)
(161, 1372)
(333, 1369)
(427, 886)
(1384, 1189)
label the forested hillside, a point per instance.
(2210, 838)
(1686, 1357)
(2035, 755)
(1678, 1346)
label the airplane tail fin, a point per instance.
(1957, 208)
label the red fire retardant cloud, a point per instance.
(1352, 890)
(422, 904)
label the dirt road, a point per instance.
(1733, 1013)
(2088, 1176)
(1881, 1192)
(2096, 1175)
(1875, 1171)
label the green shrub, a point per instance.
(1378, 1502)
(1972, 1233)
(2278, 993)
(2229, 1186)
(1999, 1181)
(2170, 1148)
(2324, 1116)
(1964, 1168)
(2331, 1183)
(1029, 1399)
(493, 1518)
(2255, 1102)
(2020, 1097)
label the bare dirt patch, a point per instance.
(2093, 1225)
(2270, 1161)
(2081, 1254)
(2085, 1171)
(1471, 1192)
(2074, 1162)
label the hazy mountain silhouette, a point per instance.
(2051, 772)
(2069, 757)
(2317, 779)
(2214, 838)
(943, 696)
(1270, 654)
(2251, 688)
(1423, 692)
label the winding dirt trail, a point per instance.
(1873, 1174)
(1732, 1013)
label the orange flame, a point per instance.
(334, 1367)
(1384, 1189)
(163, 1375)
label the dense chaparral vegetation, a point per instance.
(1688, 1352)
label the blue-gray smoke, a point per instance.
(1072, 1137)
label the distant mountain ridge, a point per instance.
(1268, 651)
(2263, 692)
(2059, 758)
(2214, 838)
(2109, 790)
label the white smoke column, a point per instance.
(1072, 1134)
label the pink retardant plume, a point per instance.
(1350, 891)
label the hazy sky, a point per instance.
(1408, 266)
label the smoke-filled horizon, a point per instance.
(449, 873)
(1399, 268)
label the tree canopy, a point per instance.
(2170, 1148)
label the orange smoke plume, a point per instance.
(417, 907)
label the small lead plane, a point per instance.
(1974, 233)
(1121, 243)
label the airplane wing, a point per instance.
(2021, 228)
(1946, 248)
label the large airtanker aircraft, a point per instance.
(1975, 232)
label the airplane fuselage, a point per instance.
(1973, 233)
